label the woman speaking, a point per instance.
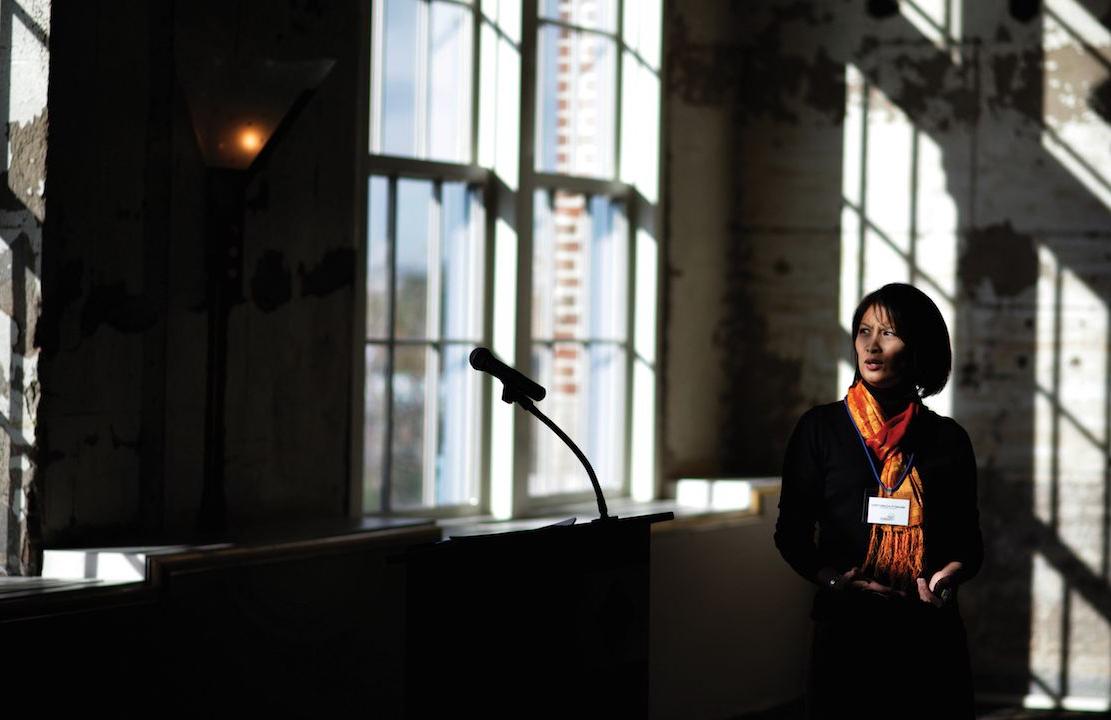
(891, 488)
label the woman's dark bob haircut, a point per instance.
(920, 326)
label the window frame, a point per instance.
(497, 200)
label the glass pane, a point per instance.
(374, 427)
(500, 100)
(596, 14)
(462, 263)
(605, 387)
(586, 397)
(608, 263)
(377, 259)
(449, 98)
(643, 24)
(580, 267)
(457, 461)
(414, 226)
(575, 93)
(506, 14)
(399, 53)
(640, 127)
(409, 427)
(422, 79)
(644, 334)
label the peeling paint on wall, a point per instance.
(120, 310)
(1009, 116)
(1001, 256)
(27, 172)
(336, 270)
(272, 283)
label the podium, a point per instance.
(551, 622)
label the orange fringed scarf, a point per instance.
(895, 553)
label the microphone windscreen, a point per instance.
(479, 358)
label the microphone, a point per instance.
(485, 361)
(516, 388)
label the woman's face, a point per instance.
(879, 351)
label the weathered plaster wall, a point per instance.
(124, 332)
(987, 158)
(24, 64)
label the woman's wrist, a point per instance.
(828, 577)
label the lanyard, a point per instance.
(872, 459)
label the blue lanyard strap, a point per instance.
(872, 459)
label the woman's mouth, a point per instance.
(873, 364)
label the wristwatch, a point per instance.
(834, 580)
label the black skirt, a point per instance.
(879, 657)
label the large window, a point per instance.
(551, 261)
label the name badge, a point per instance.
(888, 511)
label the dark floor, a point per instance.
(794, 711)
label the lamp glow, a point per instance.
(250, 140)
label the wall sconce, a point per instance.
(239, 108)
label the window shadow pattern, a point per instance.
(1005, 225)
(24, 40)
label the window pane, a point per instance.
(643, 25)
(605, 383)
(457, 462)
(409, 431)
(506, 14)
(575, 93)
(414, 227)
(608, 263)
(462, 263)
(580, 267)
(586, 397)
(640, 127)
(450, 62)
(399, 52)
(596, 14)
(374, 427)
(424, 58)
(500, 100)
(377, 259)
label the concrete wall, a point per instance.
(123, 338)
(966, 151)
(24, 63)
(816, 151)
(729, 627)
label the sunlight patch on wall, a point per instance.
(898, 220)
(1070, 411)
(1070, 640)
(1077, 51)
(938, 20)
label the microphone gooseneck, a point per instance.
(519, 389)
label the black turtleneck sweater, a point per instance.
(826, 479)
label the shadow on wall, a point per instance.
(961, 146)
